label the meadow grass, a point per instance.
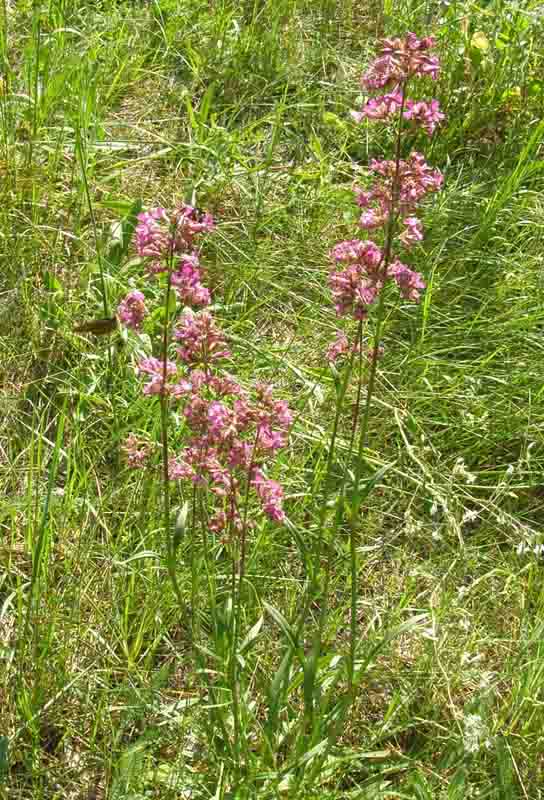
(245, 106)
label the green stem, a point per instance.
(356, 497)
(170, 547)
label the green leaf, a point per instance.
(4, 761)
(361, 492)
(51, 282)
(315, 751)
(122, 235)
(206, 104)
(505, 778)
(282, 623)
(181, 526)
(276, 691)
(252, 636)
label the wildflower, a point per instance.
(413, 232)
(231, 435)
(339, 347)
(186, 279)
(371, 219)
(156, 369)
(201, 340)
(409, 282)
(357, 286)
(428, 115)
(415, 180)
(380, 107)
(401, 59)
(131, 311)
(271, 495)
(150, 236)
(136, 451)
(161, 236)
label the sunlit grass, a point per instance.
(246, 105)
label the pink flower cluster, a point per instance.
(399, 189)
(155, 368)
(168, 241)
(202, 342)
(231, 434)
(362, 268)
(132, 310)
(401, 59)
(160, 235)
(358, 284)
(398, 61)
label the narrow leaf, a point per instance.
(252, 636)
(181, 526)
(282, 623)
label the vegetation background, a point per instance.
(246, 105)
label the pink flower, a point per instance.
(150, 236)
(339, 347)
(270, 439)
(358, 285)
(428, 115)
(225, 384)
(160, 235)
(282, 414)
(219, 420)
(399, 60)
(131, 311)
(356, 251)
(380, 107)
(201, 340)
(416, 179)
(410, 283)
(155, 368)
(413, 232)
(137, 451)
(187, 280)
(230, 437)
(271, 496)
(371, 219)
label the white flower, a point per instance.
(474, 733)
(462, 472)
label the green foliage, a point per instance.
(108, 107)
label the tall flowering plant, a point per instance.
(390, 204)
(230, 433)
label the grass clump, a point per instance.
(109, 686)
